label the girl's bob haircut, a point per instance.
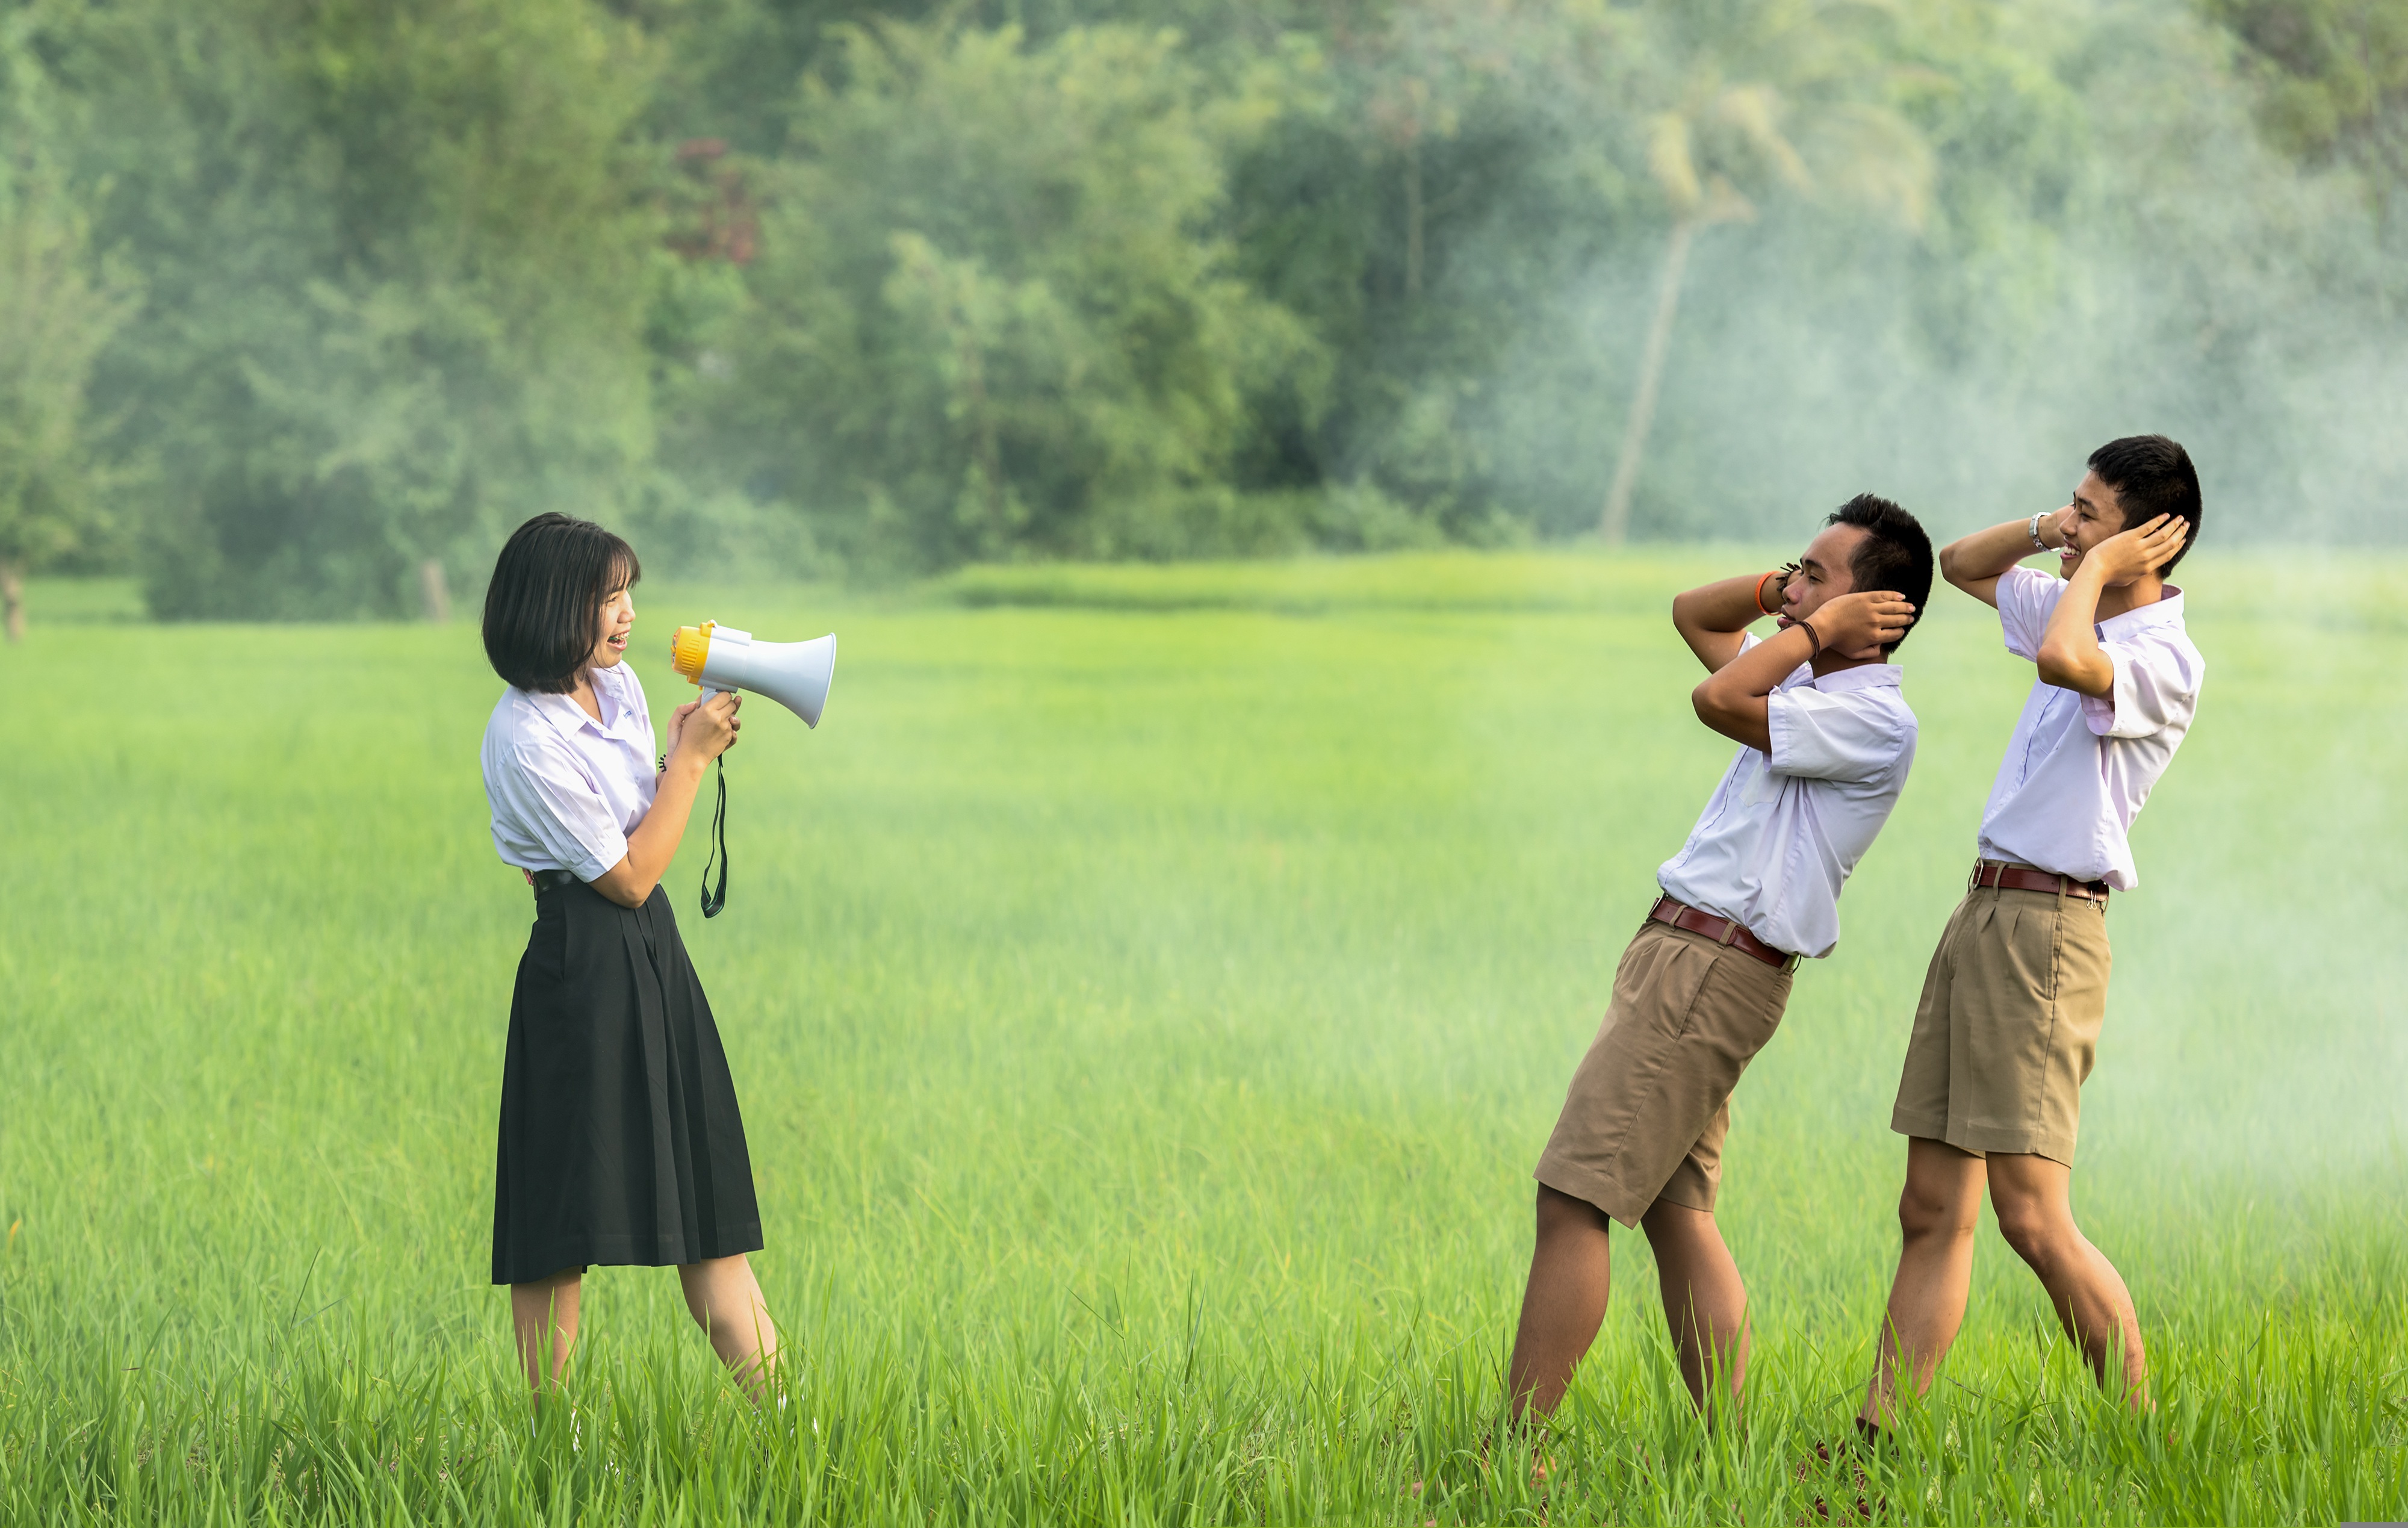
(543, 608)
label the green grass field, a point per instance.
(1148, 991)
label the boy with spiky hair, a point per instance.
(2012, 1006)
(1825, 740)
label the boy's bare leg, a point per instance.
(1564, 1303)
(541, 1309)
(726, 1301)
(2034, 1199)
(1704, 1301)
(1938, 1210)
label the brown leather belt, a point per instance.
(1680, 915)
(1989, 872)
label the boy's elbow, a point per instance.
(1949, 560)
(1706, 700)
(2067, 671)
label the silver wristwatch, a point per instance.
(2032, 531)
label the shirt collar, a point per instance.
(2167, 608)
(1862, 676)
(569, 716)
(562, 710)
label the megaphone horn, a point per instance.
(794, 675)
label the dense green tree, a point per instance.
(397, 262)
(2335, 78)
(1460, 168)
(59, 306)
(989, 312)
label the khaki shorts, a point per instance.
(2008, 1025)
(1648, 1108)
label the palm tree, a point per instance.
(1799, 118)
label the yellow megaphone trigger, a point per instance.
(689, 648)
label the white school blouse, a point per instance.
(565, 790)
(1782, 832)
(2079, 766)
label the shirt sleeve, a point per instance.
(2157, 685)
(1832, 737)
(1748, 639)
(2026, 599)
(564, 812)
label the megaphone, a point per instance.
(794, 675)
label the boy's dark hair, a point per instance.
(1894, 554)
(548, 585)
(2151, 476)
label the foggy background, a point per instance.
(305, 303)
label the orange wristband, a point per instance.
(1759, 589)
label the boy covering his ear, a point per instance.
(1825, 740)
(2016, 993)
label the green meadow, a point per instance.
(1148, 991)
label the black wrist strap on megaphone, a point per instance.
(713, 901)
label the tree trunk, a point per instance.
(1616, 524)
(12, 596)
(433, 591)
(984, 449)
(1414, 217)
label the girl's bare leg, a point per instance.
(543, 1317)
(726, 1301)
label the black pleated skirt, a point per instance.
(620, 1139)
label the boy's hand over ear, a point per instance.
(2130, 553)
(1859, 625)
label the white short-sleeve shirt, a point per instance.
(2080, 766)
(1782, 832)
(565, 790)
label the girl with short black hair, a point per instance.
(620, 1140)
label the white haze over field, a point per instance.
(2195, 283)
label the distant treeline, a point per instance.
(303, 303)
